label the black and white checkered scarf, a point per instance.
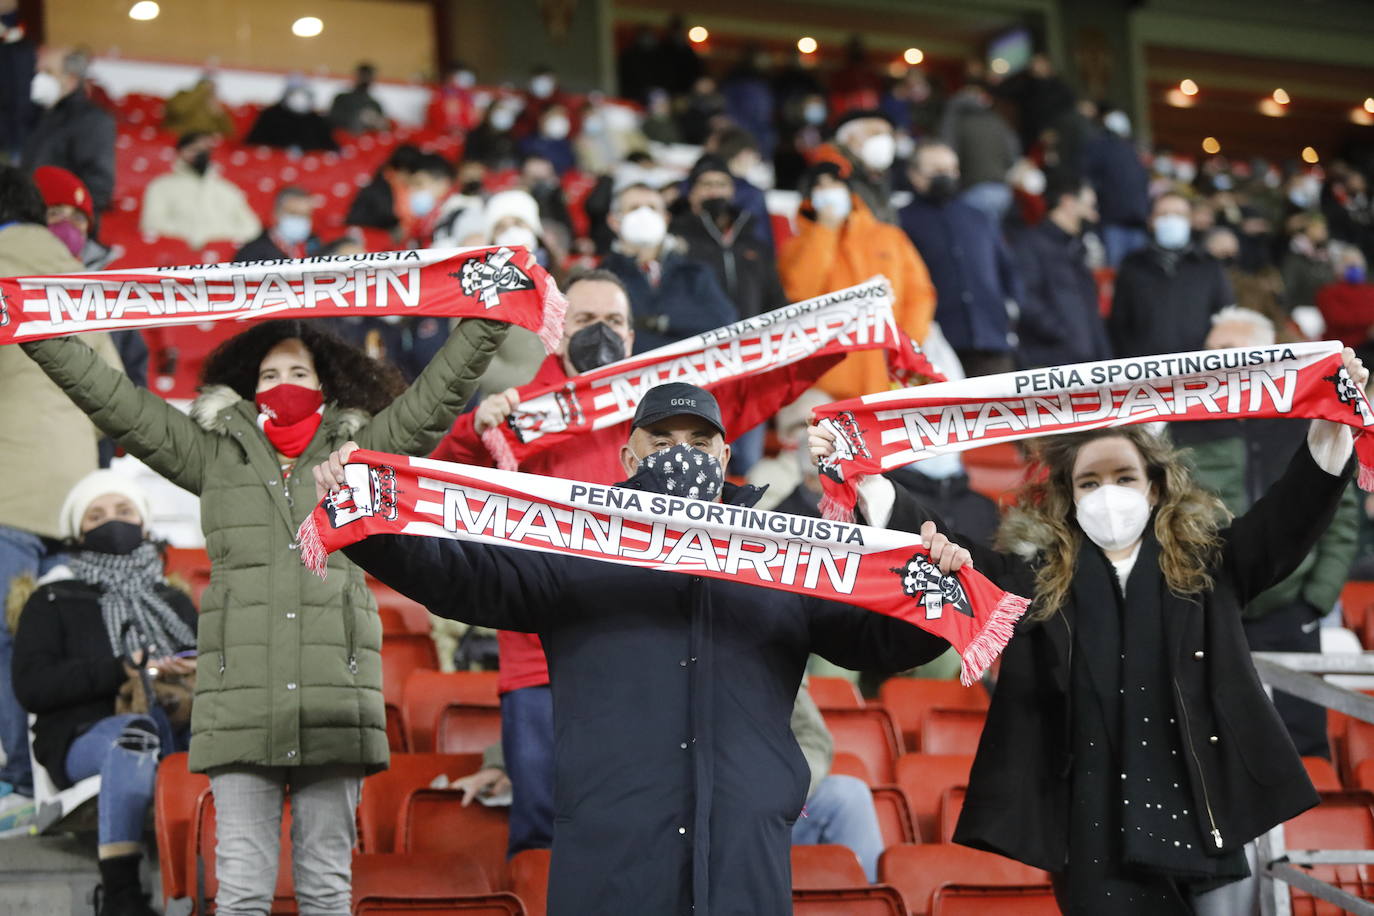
(136, 617)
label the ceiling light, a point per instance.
(307, 27)
(144, 10)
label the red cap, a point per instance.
(59, 186)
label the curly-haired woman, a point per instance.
(1130, 749)
(288, 692)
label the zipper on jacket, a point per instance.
(349, 627)
(223, 626)
(1201, 778)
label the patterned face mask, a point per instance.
(681, 471)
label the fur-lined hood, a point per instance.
(1025, 534)
(210, 408)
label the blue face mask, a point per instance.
(1354, 274)
(1172, 231)
(293, 228)
(421, 202)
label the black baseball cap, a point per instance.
(675, 399)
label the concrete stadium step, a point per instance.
(57, 875)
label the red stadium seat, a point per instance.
(954, 900)
(482, 905)
(403, 654)
(201, 860)
(894, 816)
(918, 870)
(868, 734)
(1356, 599)
(384, 793)
(1322, 774)
(435, 821)
(952, 731)
(174, 811)
(869, 900)
(414, 614)
(428, 693)
(846, 764)
(826, 865)
(951, 804)
(529, 879)
(1343, 820)
(466, 729)
(924, 778)
(834, 693)
(1364, 775)
(908, 699)
(393, 876)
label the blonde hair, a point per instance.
(1186, 518)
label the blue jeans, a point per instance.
(841, 811)
(992, 198)
(124, 750)
(21, 553)
(1121, 241)
(527, 744)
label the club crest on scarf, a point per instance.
(488, 278)
(371, 492)
(549, 413)
(4, 309)
(1349, 393)
(849, 444)
(922, 580)
(684, 471)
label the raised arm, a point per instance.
(414, 423)
(144, 424)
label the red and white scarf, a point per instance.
(845, 321)
(504, 284)
(878, 432)
(883, 571)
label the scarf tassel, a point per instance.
(499, 446)
(837, 502)
(984, 648)
(555, 308)
(313, 554)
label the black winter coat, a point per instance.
(676, 776)
(744, 267)
(686, 301)
(1245, 774)
(64, 671)
(1060, 319)
(1164, 303)
(78, 135)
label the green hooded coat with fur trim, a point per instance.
(290, 670)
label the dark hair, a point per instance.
(405, 157)
(1062, 184)
(731, 141)
(287, 193)
(365, 69)
(1181, 196)
(191, 136)
(348, 376)
(434, 164)
(20, 199)
(812, 175)
(598, 275)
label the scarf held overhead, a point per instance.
(503, 284)
(845, 321)
(879, 432)
(888, 572)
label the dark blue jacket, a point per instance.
(558, 152)
(751, 199)
(1113, 167)
(971, 269)
(1163, 302)
(677, 779)
(1060, 319)
(687, 296)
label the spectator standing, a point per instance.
(194, 202)
(542, 94)
(550, 141)
(839, 243)
(986, 146)
(293, 123)
(1166, 293)
(195, 110)
(864, 140)
(356, 110)
(678, 64)
(975, 280)
(1307, 266)
(671, 295)
(741, 154)
(456, 107)
(1041, 98)
(47, 442)
(1112, 163)
(1061, 320)
(1259, 289)
(701, 113)
(1347, 303)
(72, 132)
(638, 66)
(291, 689)
(749, 98)
(18, 61)
(85, 631)
(292, 233)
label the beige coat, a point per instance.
(46, 442)
(197, 208)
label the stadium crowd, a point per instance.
(1020, 226)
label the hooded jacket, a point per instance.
(289, 671)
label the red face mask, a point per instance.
(289, 415)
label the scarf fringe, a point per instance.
(984, 648)
(499, 447)
(311, 545)
(837, 503)
(1366, 478)
(555, 309)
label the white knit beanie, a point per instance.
(516, 203)
(90, 488)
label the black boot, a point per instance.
(120, 892)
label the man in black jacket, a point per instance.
(73, 132)
(1167, 293)
(677, 778)
(1060, 318)
(717, 233)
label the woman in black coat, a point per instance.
(77, 634)
(1130, 749)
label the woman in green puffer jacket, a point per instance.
(289, 683)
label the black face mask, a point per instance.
(720, 210)
(472, 188)
(680, 471)
(200, 162)
(942, 188)
(595, 346)
(113, 537)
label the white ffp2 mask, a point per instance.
(1113, 517)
